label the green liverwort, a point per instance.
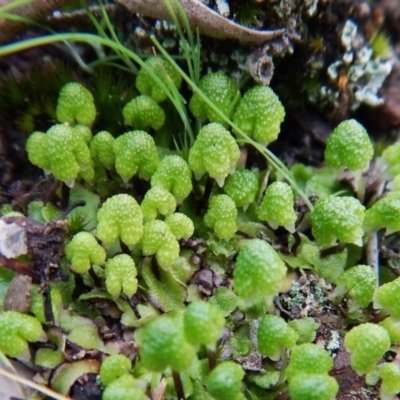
(338, 218)
(260, 114)
(157, 201)
(221, 90)
(83, 250)
(349, 146)
(215, 151)
(16, 330)
(181, 226)
(242, 187)
(258, 271)
(135, 153)
(385, 213)
(163, 345)
(160, 67)
(368, 343)
(65, 154)
(274, 333)
(113, 367)
(121, 275)
(120, 217)
(388, 297)
(158, 239)
(203, 323)
(277, 206)
(75, 105)
(102, 149)
(225, 381)
(221, 216)
(143, 112)
(359, 282)
(174, 174)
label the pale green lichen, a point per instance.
(388, 297)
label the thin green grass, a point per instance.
(192, 57)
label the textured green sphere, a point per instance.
(349, 146)
(258, 271)
(203, 323)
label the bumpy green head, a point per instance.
(124, 388)
(135, 153)
(359, 282)
(221, 90)
(75, 105)
(163, 345)
(258, 271)
(157, 201)
(388, 296)
(385, 213)
(221, 216)
(313, 387)
(338, 218)
(260, 114)
(164, 71)
(349, 146)
(121, 275)
(277, 206)
(242, 187)
(203, 323)
(158, 239)
(63, 152)
(83, 250)
(143, 112)
(113, 367)
(272, 333)
(215, 151)
(102, 149)
(120, 217)
(16, 330)
(174, 175)
(368, 343)
(225, 381)
(181, 226)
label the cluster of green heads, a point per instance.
(150, 200)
